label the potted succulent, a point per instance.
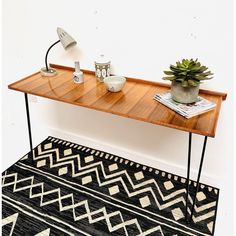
(186, 77)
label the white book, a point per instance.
(202, 105)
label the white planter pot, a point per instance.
(182, 94)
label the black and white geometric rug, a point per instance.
(68, 189)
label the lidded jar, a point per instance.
(102, 68)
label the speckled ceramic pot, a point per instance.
(184, 94)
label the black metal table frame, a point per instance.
(188, 220)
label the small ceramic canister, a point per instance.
(102, 68)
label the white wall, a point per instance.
(141, 38)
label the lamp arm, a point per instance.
(46, 57)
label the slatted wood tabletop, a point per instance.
(134, 101)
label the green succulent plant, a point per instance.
(188, 73)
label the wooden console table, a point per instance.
(135, 101)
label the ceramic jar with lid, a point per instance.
(102, 68)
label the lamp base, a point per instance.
(49, 72)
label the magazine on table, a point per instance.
(202, 105)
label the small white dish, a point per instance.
(114, 83)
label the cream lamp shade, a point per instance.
(66, 40)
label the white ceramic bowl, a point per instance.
(114, 83)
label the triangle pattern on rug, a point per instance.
(10, 220)
(44, 233)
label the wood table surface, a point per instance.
(134, 101)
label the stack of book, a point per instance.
(202, 105)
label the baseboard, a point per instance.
(134, 156)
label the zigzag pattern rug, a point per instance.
(69, 189)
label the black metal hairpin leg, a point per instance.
(28, 121)
(188, 173)
(198, 178)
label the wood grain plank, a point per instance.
(23, 81)
(183, 122)
(109, 99)
(207, 122)
(216, 118)
(146, 104)
(161, 114)
(93, 95)
(126, 103)
(67, 87)
(32, 84)
(37, 82)
(80, 89)
(51, 84)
